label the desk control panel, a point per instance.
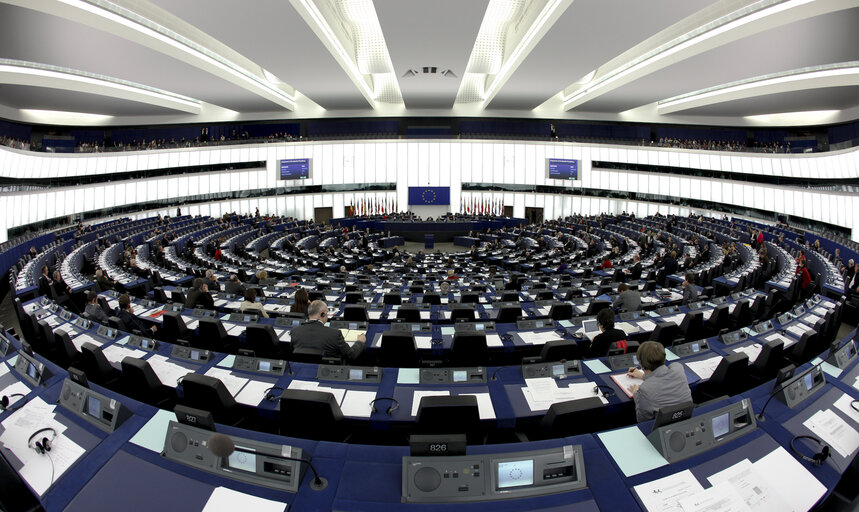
(190, 354)
(253, 462)
(843, 356)
(260, 365)
(687, 438)
(555, 370)
(493, 476)
(94, 408)
(344, 324)
(143, 343)
(474, 375)
(688, 349)
(402, 326)
(802, 386)
(529, 325)
(468, 326)
(349, 373)
(623, 361)
(729, 338)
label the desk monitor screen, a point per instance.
(479, 327)
(416, 327)
(696, 347)
(460, 375)
(353, 325)
(809, 380)
(33, 372)
(721, 425)
(264, 366)
(356, 374)
(515, 473)
(146, 344)
(195, 355)
(558, 370)
(93, 407)
(243, 461)
(541, 324)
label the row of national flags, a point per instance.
(373, 206)
(481, 206)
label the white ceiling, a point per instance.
(273, 35)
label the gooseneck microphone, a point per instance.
(221, 445)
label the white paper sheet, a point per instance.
(423, 342)
(834, 431)
(753, 351)
(303, 384)
(234, 384)
(79, 341)
(253, 392)
(494, 340)
(754, 490)
(37, 470)
(234, 329)
(647, 325)
(538, 338)
(719, 498)
(484, 405)
(705, 368)
(167, 372)
(787, 340)
(786, 476)
(228, 500)
(664, 495)
(116, 353)
(624, 381)
(357, 403)
(19, 387)
(843, 405)
(418, 395)
(798, 329)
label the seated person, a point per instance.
(45, 282)
(234, 286)
(211, 281)
(301, 303)
(103, 281)
(600, 345)
(690, 291)
(628, 299)
(93, 309)
(663, 385)
(199, 296)
(314, 334)
(131, 322)
(444, 288)
(250, 303)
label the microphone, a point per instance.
(778, 388)
(221, 445)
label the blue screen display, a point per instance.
(561, 169)
(295, 169)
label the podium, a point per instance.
(429, 241)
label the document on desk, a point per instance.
(578, 391)
(16, 387)
(234, 329)
(718, 498)
(798, 329)
(418, 395)
(338, 393)
(167, 372)
(41, 471)
(753, 351)
(423, 342)
(677, 319)
(705, 368)
(795, 485)
(786, 340)
(192, 324)
(755, 491)
(116, 353)
(625, 382)
(810, 319)
(627, 327)
(253, 392)
(350, 334)
(494, 340)
(647, 325)
(357, 403)
(664, 495)
(543, 311)
(228, 500)
(286, 337)
(4, 369)
(79, 341)
(834, 431)
(234, 384)
(425, 315)
(374, 315)
(308, 385)
(843, 405)
(538, 338)
(484, 405)
(631, 450)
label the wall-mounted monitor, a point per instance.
(294, 169)
(562, 169)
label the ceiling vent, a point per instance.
(429, 70)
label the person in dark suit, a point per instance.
(314, 334)
(199, 296)
(211, 282)
(93, 309)
(45, 282)
(635, 270)
(131, 322)
(103, 281)
(234, 286)
(690, 291)
(627, 299)
(600, 345)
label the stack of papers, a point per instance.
(798, 329)
(234, 384)
(705, 368)
(834, 431)
(625, 382)
(116, 353)
(40, 471)
(541, 393)
(168, 373)
(753, 351)
(538, 338)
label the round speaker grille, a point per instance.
(179, 442)
(67, 392)
(427, 479)
(677, 441)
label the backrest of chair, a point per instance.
(561, 349)
(262, 339)
(719, 317)
(305, 412)
(470, 298)
(177, 297)
(138, 377)
(207, 393)
(410, 314)
(67, 348)
(596, 306)
(509, 296)
(355, 313)
(353, 298)
(468, 348)
(562, 311)
(730, 375)
(398, 349)
(95, 364)
(431, 298)
(665, 333)
(213, 336)
(770, 359)
(392, 299)
(456, 414)
(462, 314)
(174, 323)
(508, 314)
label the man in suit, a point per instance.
(211, 282)
(93, 309)
(103, 281)
(690, 291)
(627, 299)
(314, 334)
(131, 322)
(45, 282)
(199, 296)
(234, 286)
(635, 270)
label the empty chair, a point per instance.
(160, 296)
(650, 286)
(470, 298)
(46, 343)
(311, 414)
(571, 418)
(619, 276)
(596, 306)
(509, 296)
(729, 378)
(719, 320)
(409, 314)
(67, 353)
(458, 314)
(96, 366)
(140, 382)
(692, 326)
(353, 298)
(707, 292)
(604, 290)
(393, 299)
(177, 297)
(174, 327)
(316, 295)
(802, 350)
(431, 298)
(456, 414)
(398, 349)
(561, 311)
(758, 308)
(262, 339)
(416, 289)
(117, 323)
(768, 362)
(468, 348)
(741, 316)
(210, 394)
(105, 307)
(508, 314)
(666, 333)
(213, 336)
(561, 349)
(355, 313)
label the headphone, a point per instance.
(391, 408)
(818, 458)
(607, 391)
(43, 445)
(854, 403)
(4, 402)
(273, 397)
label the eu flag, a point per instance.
(429, 195)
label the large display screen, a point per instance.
(295, 169)
(562, 169)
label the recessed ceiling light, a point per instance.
(795, 118)
(61, 117)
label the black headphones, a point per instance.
(818, 458)
(854, 404)
(607, 391)
(4, 402)
(43, 445)
(273, 397)
(391, 408)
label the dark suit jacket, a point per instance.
(313, 334)
(45, 285)
(212, 284)
(599, 347)
(197, 298)
(635, 271)
(132, 323)
(232, 287)
(670, 266)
